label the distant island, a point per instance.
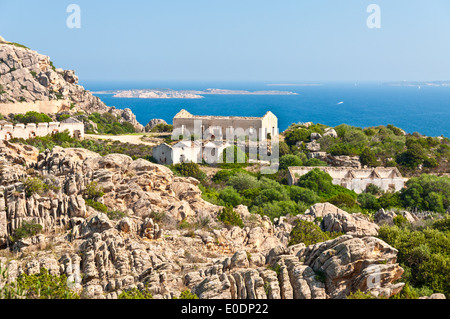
(185, 94)
(419, 83)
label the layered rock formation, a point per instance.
(30, 82)
(334, 219)
(169, 239)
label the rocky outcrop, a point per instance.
(329, 131)
(334, 160)
(30, 82)
(159, 233)
(382, 217)
(328, 270)
(335, 219)
(347, 264)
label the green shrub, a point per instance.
(297, 135)
(230, 197)
(45, 286)
(186, 294)
(309, 234)
(390, 200)
(34, 185)
(400, 221)
(26, 230)
(360, 295)
(289, 160)
(424, 254)
(427, 192)
(32, 117)
(229, 217)
(162, 128)
(93, 191)
(368, 158)
(413, 156)
(343, 149)
(222, 176)
(342, 200)
(374, 189)
(96, 205)
(315, 162)
(189, 170)
(300, 194)
(368, 201)
(276, 209)
(135, 293)
(116, 214)
(443, 224)
(316, 180)
(241, 182)
(108, 123)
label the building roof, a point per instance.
(185, 114)
(348, 172)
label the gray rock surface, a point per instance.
(27, 76)
(153, 123)
(146, 245)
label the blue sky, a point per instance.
(237, 40)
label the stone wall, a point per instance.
(48, 107)
(9, 131)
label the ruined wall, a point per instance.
(355, 179)
(9, 131)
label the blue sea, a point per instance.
(425, 110)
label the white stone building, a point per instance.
(25, 131)
(181, 152)
(221, 127)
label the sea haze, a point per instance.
(425, 110)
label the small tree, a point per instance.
(27, 229)
(93, 191)
(229, 217)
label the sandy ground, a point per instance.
(132, 139)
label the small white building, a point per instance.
(182, 152)
(190, 152)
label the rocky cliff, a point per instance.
(30, 82)
(168, 238)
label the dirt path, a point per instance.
(132, 139)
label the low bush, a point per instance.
(309, 234)
(135, 293)
(116, 214)
(42, 285)
(229, 217)
(189, 170)
(96, 205)
(26, 230)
